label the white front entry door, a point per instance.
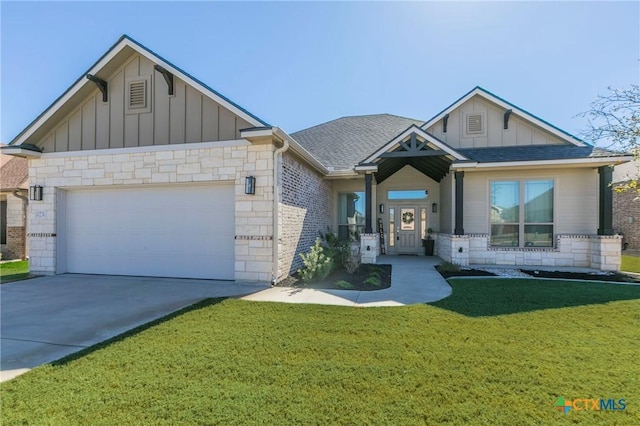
(169, 231)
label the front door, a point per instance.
(404, 229)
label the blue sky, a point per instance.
(296, 65)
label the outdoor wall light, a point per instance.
(35, 192)
(434, 207)
(250, 185)
(381, 208)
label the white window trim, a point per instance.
(521, 223)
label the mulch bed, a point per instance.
(616, 276)
(464, 273)
(357, 279)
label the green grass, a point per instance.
(464, 360)
(630, 264)
(13, 271)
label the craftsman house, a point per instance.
(141, 169)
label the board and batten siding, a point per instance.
(575, 198)
(519, 133)
(187, 116)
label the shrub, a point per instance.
(351, 262)
(317, 263)
(337, 249)
(448, 267)
(373, 280)
(344, 284)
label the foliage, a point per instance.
(337, 249)
(241, 362)
(344, 284)
(448, 267)
(614, 119)
(352, 261)
(374, 279)
(317, 263)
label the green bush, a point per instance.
(337, 249)
(373, 280)
(317, 263)
(344, 284)
(448, 267)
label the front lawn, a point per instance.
(630, 264)
(13, 271)
(239, 362)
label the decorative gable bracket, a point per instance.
(102, 85)
(168, 77)
(507, 113)
(413, 148)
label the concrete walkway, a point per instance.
(413, 280)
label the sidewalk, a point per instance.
(413, 280)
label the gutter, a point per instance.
(276, 207)
(531, 163)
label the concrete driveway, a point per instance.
(44, 319)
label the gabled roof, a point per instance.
(479, 91)
(123, 43)
(14, 172)
(342, 143)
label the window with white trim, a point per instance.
(351, 215)
(521, 213)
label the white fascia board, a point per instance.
(596, 161)
(517, 111)
(104, 61)
(423, 134)
(367, 168)
(256, 133)
(72, 91)
(195, 84)
(299, 149)
(21, 152)
(343, 174)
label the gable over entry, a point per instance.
(413, 147)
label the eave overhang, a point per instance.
(592, 162)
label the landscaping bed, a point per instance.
(447, 273)
(614, 276)
(364, 279)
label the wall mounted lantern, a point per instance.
(381, 208)
(434, 207)
(250, 185)
(35, 192)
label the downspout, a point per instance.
(25, 203)
(276, 210)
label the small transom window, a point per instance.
(410, 194)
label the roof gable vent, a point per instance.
(475, 123)
(138, 99)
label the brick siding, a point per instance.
(625, 207)
(305, 211)
(14, 249)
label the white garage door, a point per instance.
(173, 231)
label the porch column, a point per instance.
(459, 203)
(367, 201)
(605, 224)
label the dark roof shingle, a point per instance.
(535, 152)
(344, 142)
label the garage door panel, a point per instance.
(167, 232)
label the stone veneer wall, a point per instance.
(163, 165)
(591, 251)
(626, 217)
(305, 211)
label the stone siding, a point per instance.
(163, 165)
(305, 211)
(591, 251)
(626, 217)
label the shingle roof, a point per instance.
(14, 173)
(535, 152)
(344, 142)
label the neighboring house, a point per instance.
(626, 205)
(14, 178)
(147, 171)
